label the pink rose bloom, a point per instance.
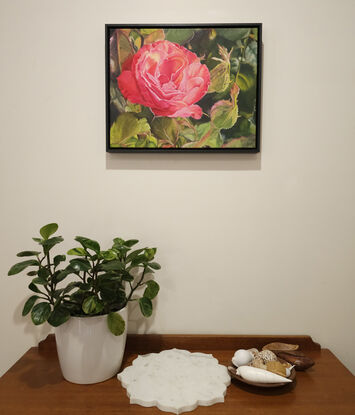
(167, 78)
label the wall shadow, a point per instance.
(187, 161)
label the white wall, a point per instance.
(248, 244)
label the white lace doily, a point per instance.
(175, 380)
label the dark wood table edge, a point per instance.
(150, 343)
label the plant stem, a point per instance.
(137, 285)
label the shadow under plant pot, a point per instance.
(88, 352)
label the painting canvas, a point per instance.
(183, 88)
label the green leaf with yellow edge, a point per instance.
(126, 126)
(220, 74)
(130, 107)
(152, 35)
(224, 114)
(165, 128)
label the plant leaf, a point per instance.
(48, 230)
(77, 251)
(39, 280)
(28, 253)
(58, 259)
(152, 289)
(40, 313)
(88, 243)
(20, 266)
(114, 265)
(58, 316)
(29, 304)
(115, 323)
(61, 275)
(49, 243)
(154, 265)
(34, 288)
(92, 305)
(146, 306)
(79, 264)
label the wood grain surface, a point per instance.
(34, 385)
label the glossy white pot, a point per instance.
(88, 352)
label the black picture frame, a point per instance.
(256, 116)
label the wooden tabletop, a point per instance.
(34, 385)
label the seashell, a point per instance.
(253, 351)
(267, 355)
(254, 374)
(258, 362)
(288, 370)
(242, 357)
(298, 359)
(276, 367)
(280, 346)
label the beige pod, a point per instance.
(88, 352)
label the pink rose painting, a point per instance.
(183, 88)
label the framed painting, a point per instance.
(183, 88)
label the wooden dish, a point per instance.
(233, 372)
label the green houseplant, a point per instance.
(101, 284)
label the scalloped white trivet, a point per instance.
(175, 380)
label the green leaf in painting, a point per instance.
(126, 126)
(233, 34)
(146, 306)
(15, 269)
(180, 36)
(152, 289)
(115, 323)
(40, 313)
(224, 114)
(246, 77)
(48, 230)
(166, 129)
(124, 47)
(29, 304)
(220, 74)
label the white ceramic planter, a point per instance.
(88, 352)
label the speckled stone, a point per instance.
(175, 380)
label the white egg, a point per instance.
(242, 357)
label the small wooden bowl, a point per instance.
(233, 372)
